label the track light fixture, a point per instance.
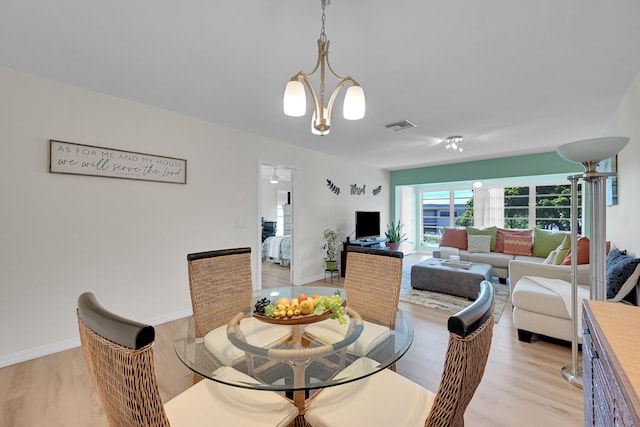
(454, 143)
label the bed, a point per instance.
(277, 249)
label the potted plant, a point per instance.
(394, 235)
(331, 240)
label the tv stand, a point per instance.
(365, 243)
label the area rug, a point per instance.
(448, 303)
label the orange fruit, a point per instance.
(302, 297)
(306, 306)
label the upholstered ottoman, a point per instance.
(540, 310)
(431, 275)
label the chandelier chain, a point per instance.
(323, 35)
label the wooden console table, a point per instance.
(610, 360)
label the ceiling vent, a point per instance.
(401, 125)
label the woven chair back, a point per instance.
(372, 283)
(220, 285)
(124, 378)
(465, 362)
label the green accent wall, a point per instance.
(505, 167)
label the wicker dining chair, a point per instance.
(220, 286)
(119, 356)
(372, 283)
(372, 286)
(387, 398)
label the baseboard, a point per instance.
(169, 317)
(35, 352)
(45, 350)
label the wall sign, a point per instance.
(355, 189)
(80, 159)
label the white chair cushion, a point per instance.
(382, 399)
(330, 331)
(210, 403)
(257, 333)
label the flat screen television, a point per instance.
(367, 225)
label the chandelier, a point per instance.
(454, 143)
(295, 101)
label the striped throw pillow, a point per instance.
(517, 245)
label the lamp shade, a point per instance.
(354, 104)
(295, 99)
(592, 150)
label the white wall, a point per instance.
(127, 240)
(623, 219)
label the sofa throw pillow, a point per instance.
(488, 231)
(562, 250)
(583, 251)
(479, 243)
(550, 258)
(620, 267)
(517, 245)
(627, 287)
(454, 238)
(504, 232)
(545, 241)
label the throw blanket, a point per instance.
(563, 289)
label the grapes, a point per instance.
(333, 303)
(261, 305)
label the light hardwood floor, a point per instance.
(522, 385)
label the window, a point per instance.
(516, 207)
(545, 206)
(444, 208)
(553, 207)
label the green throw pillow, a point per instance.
(489, 231)
(545, 241)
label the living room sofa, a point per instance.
(537, 309)
(504, 246)
(540, 293)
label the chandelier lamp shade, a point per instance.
(295, 99)
(589, 153)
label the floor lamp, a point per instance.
(589, 152)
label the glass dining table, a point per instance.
(299, 364)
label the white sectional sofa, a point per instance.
(498, 260)
(500, 247)
(545, 310)
(537, 309)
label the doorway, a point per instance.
(275, 257)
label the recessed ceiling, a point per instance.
(513, 77)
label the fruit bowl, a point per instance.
(302, 310)
(301, 319)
